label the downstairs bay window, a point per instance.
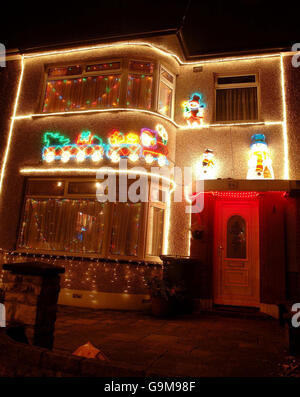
(64, 217)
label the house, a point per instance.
(232, 119)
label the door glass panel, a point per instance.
(236, 237)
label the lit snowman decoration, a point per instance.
(260, 162)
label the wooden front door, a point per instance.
(236, 256)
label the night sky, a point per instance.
(210, 26)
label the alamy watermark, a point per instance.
(2, 316)
(296, 317)
(138, 184)
(2, 56)
(296, 57)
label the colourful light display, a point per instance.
(205, 168)
(260, 162)
(150, 145)
(193, 110)
(58, 147)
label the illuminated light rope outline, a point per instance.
(10, 132)
(28, 170)
(145, 44)
(284, 123)
(181, 127)
(164, 52)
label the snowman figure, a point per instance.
(260, 162)
(205, 168)
(194, 110)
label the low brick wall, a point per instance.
(21, 360)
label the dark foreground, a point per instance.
(192, 345)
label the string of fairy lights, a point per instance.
(93, 274)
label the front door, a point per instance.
(236, 256)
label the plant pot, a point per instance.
(161, 307)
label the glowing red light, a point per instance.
(236, 195)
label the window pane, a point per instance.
(236, 104)
(82, 187)
(165, 99)
(63, 225)
(65, 71)
(139, 91)
(83, 93)
(236, 237)
(167, 76)
(236, 79)
(103, 66)
(143, 67)
(126, 229)
(155, 231)
(45, 188)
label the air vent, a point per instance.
(197, 69)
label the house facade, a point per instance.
(233, 120)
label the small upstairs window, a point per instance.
(236, 98)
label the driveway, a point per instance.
(202, 345)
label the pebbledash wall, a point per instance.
(278, 120)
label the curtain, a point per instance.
(63, 225)
(236, 104)
(139, 91)
(82, 93)
(126, 229)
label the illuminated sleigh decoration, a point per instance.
(150, 145)
(58, 147)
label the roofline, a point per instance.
(12, 54)
(223, 54)
(110, 38)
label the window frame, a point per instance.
(105, 253)
(247, 239)
(123, 71)
(46, 78)
(237, 85)
(163, 206)
(172, 86)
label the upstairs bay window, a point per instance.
(64, 217)
(107, 84)
(237, 98)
